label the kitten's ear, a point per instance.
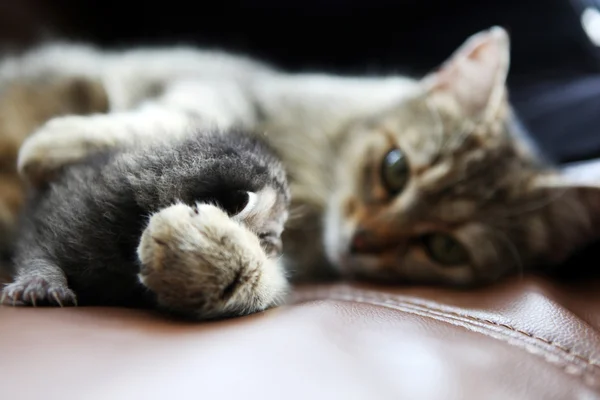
(475, 75)
(573, 209)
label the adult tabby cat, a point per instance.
(392, 179)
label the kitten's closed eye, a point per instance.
(271, 243)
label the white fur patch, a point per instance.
(259, 206)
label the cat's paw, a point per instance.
(37, 291)
(60, 142)
(200, 262)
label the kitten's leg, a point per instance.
(203, 264)
(38, 282)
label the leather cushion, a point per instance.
(525, 339)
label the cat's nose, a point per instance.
(362, 242)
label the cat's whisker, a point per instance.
(533, 206)
(495, 250)
(297, 213)
(512, 248)
(298, 210)
(461, 179)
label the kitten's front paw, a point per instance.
(58, 143)
(200, 262)
(37, 290)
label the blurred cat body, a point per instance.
(24, 106)
(392, 178)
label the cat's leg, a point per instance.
(183, 108)
(67, 140)
(38, 282)
(201, 263)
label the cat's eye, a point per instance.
(445, 250)
(237, 202)
(394, 171)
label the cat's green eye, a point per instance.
(394, 171)
(445, 250)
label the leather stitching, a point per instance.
(572, 362)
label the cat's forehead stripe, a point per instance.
(390, 137)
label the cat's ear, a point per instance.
(572, 207)
(475, 75)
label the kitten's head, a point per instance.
(442, 188)
(235, 171)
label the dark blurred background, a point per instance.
(554, 81)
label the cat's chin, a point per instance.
(355, 267)
(339, 257)
(347, 265)
(336, 237)
(366, 269)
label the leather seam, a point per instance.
(590, 366)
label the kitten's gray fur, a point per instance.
(149, 228)
(469, 176)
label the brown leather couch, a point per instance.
(526, 338)
(522, 339)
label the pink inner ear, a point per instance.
(475, 74)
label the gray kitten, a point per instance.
(192, 228)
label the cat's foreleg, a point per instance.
(184, 107)
(67, 140)
(201, 263)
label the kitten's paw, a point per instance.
(200, 262)
(58, 143)
(37, 290)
